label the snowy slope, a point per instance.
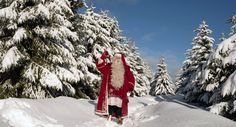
(162, 111)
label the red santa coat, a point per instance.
(129, 83)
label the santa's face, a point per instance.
(117, 59)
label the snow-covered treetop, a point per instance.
(202, 29)
(98, 32)
(222, 38)
(203, 33)
(161, 67)
(201, 45)
(162, 72)
(233, 21)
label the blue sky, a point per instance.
(165, 27)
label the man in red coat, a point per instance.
(117, 81)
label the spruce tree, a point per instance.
(216, 85)
(178, 80)
(97, 32)
(36, 44)
(219, 79)
(49, 50)
(141, 70)
(183, 75)
(162, 81)
(201, 49)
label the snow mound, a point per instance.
(161, 111)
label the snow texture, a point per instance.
(229, 87)
(19, 35)
(161, 111)
(11, 58)
(228, 46)
(9, 12)
(218, 108)
(44, 76)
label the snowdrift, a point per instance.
(161, 111)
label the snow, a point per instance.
(228, 46)
(160, 111)
(218, 108)
(11, 58)
(33, 13)
(15, 113)
(9, 12)
(225, 52)
(63, 6)
(229, 87)
(12, 26)
(46, 78)
(58, 33)
(211, 86)
(91, 78)
(42, 10)
(234, 103)
(19, 35)
(49, 79)
(65, 74)
(61, 19)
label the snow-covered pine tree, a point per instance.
(201, 49)
(178, 80)
(39, 43)
(232, 20)
(99, 31)
(162, 81)
(184, 74)
(212, 68)
(36, 48)
(219, 79)
(141, 70)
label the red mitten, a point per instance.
(104, 55)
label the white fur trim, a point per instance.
(101, 113)
(101, 66)
(115, 101)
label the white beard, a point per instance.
(117, 74)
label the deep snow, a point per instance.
(161, 111)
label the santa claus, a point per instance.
(117, 81)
